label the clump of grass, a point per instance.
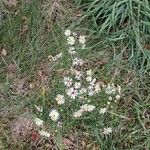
(124, 25)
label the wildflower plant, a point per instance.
(79, 96)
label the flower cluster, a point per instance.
(81, 89)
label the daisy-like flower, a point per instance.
(77, 114)
(77, 85)
(89, 73)
(119, 89)
(73, 93)
(44, 133)
(67, 81)
(54, 115)
(78, 62)
(97, 88)
(110, 89)
(117, 97)
(60, 99)
(87, 107)
(89, 78)
(72, 50)
(91, 90)
(78, 75)
(102, 110)
(107, 131)
(110, 98)
(38, 122)
(71, 40)
(82, 39)
(67, 32)
(83, 90)
(93, 82)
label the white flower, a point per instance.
(77, 114)
(71, 40)
(97, 88)
(93, 82)
(107, 131)
(83, 90)
(54, 115)
(67, 81)
(89, 78)
(119, 89)
(82, 39)
(89, 72)
(72, 50)
(110, 89)
(91, 91)
(60, 99)
(73, 93)
(102, 110)
(38, 122)
(44, 133)
(77, 61)
(77, 85)
(78, 75)
(87, 107)
(110, 98)
(67, 32)
(118, 97)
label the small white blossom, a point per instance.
(54, 115)
(77, 61)
(38, 122)
(67, 32)
(73, 93)
(107, 131)
(102, 110)
(78, 75)
(67, 81)
(91, 92)
(77, 114)
(89, 73)
(118, 97)
(110, 89)
(44, 133)
(72, 50)
(110, 98)
(93, 82)
(71, 40)
(87, 107)
(97, 88)
(77, 85)
(60, 99)
(89, 78)
(83, 90)
(82, 39)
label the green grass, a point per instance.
(29, 50)
(123, 25)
